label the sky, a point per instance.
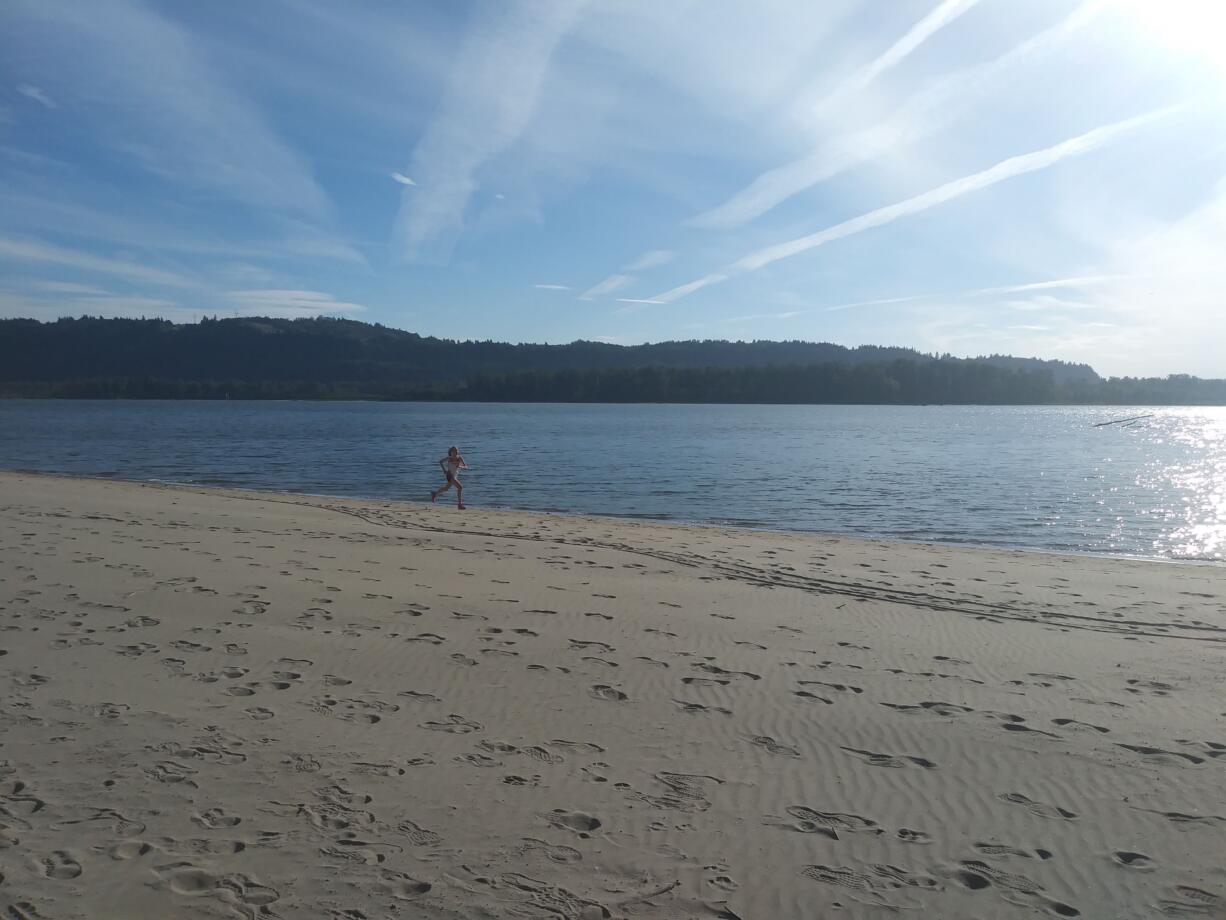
(1045, 178)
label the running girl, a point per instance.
(451, 465)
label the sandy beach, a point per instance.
(221, 704)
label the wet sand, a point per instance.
(219, 704)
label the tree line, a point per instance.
(893, 383)
(341, 359)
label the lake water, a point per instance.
(1025, 477)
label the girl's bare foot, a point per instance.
(461, 507)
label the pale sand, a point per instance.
(246, 705)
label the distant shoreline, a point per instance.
(325, 359)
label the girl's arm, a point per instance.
(463, 463)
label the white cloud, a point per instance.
(880, 302)
(32, 251)
(1078, 282)
(653, 258)
(929, 110)
(289, 303)
(690, 287)
(104, 305)
(301, 239)
(756, 317)
(403, 179)
(491, 95)
(606, 287)
(1006, 169)
(65, 287)
(154, 95)
(945, 13)
(38, 95)
(637, 300)
(1167, 302)
(552, 287)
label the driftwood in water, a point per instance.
(1119, 421)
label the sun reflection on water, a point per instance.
(1195, 517)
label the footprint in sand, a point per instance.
(694, 708)
(215, 818)
(59, 865)
(539, 753)
(828, 824)
(377, 769)
(454, 724)
(1039, 809)
(1074, 724)
(604, 692)
(723, 673)
(1000, 849)
(129, 849)
(242, 890)
(474, 759)
(584, 645)
(135, 651)
(170, 772)
(866, 887)
(1132, 860)
(400, 886)
(875, 759)
(577, 821)
(185, 645)
(840, 688)
(1159, 756)
(769, 744)
(584, 747)
(1178, 817)
(420, 696)
(418, 835)
(1155, 687)
(1189, 900)
(108, 818)
(555, 852)
(976, 876)
(654, 662)
(812, 697)
(705, 681)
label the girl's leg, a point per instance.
(437, 492)
(459, 495)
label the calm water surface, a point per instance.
(1028, 477)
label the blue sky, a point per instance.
(1037, 178)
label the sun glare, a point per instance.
(1184, 27)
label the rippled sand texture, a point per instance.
(244, 705)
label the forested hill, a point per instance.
(342, 359)
(331, 351)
